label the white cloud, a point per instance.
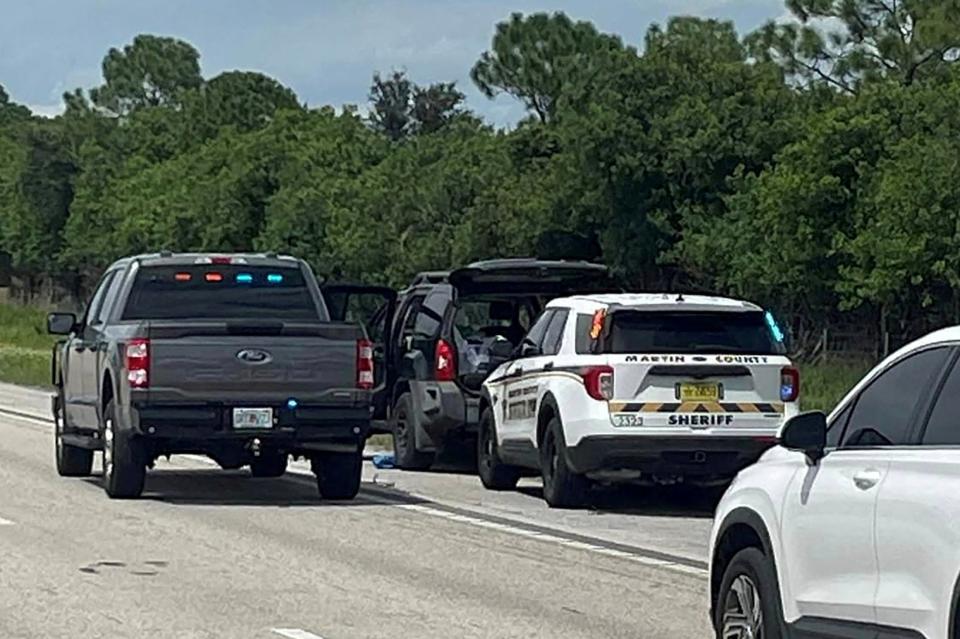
(46, 110)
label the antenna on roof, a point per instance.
(165, 253)
(680, 297)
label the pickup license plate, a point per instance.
(699, 392)
(254, 418)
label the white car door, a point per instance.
(520, 386)
(918, 538)
(829, 520)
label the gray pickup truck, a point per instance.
(229, 356)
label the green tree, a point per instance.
(244, 99)
(36, 189)
(152, 71)
(534, 58)
(399, 108)
(11, 112)
(435, 106)
(390, 105)
(654, 142)
(845, 42)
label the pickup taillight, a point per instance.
(364, 364)
(138, 363)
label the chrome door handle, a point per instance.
(866, 479)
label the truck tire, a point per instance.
(124, 467)
(562, 488)
(338, 474)
(494, 474)
(268, 465)
(405, 438)
(71, 460)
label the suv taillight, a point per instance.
(446, 364)
(599, 382)
(138, 363)
(789, 384)
(364, 364)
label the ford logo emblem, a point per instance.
(254, 356)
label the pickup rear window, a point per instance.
(214, 291)
(702, 333)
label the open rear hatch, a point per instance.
(532, 277)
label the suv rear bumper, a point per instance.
(688, 456)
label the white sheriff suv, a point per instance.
(635, 387)
(851, 527)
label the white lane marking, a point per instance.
(5, 522)
(652, 562)
(644, 560)
(295, 633)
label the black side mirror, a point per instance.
(501, 349)
(61, 323)
(529, 350)
(806, 433)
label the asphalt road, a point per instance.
(214, 554)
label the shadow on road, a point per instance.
(238, 488)
(661, 501)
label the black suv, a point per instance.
(437, 340)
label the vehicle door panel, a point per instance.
(918, 540)
(828, 537)
(373, 307)
(521, 387)
(830, 514)
(82, 361)
(95, 360)
(72, 370)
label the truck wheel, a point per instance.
(494, 474)
(71, 460)
(405, 439)
(269, 465)
(338, 474)
(562, 488)
(124, 467)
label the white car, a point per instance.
(663, 388)
(852, 527)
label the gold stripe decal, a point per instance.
(766, 408)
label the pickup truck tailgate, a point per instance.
(310, 363)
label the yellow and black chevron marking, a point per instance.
(696, 407)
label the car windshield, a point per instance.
(210, 292)
(692, 333)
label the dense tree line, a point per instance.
(813, 165)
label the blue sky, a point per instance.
(325, 50)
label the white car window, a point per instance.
(884, 411)
(943, 428)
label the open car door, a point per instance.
(372, 307)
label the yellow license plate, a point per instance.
(693, 392)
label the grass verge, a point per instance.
(823, 385)
(24, 346)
